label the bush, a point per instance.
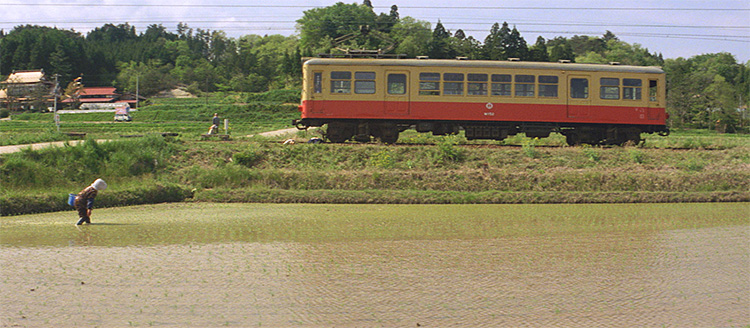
(249, 158)
(4, 113)
(447, 152)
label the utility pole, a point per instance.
(137, 97)
(57, 90)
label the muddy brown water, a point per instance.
(198, 265)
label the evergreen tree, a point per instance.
(538, 52)
(439, 46)
(609, 36)
(492, 44)
(515, 46)
(394, 13)
(460, 34)
(60, 64)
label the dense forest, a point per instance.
(707, 90)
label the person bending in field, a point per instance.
(215, 124)
(84, 202)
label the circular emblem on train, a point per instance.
(489, 105)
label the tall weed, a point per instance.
(447, 152)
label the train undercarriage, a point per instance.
(388, 131)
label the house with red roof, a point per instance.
(102, 98)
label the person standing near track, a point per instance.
(84, 202)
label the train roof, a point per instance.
(485, 64)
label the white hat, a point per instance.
(99, 185)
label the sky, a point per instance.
(674, 28)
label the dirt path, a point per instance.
(277, 133)
(41, 145)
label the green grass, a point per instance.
(257, 170)
(685, 166)
(190, 117)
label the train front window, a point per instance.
(397, 84)
(454, 84)
(501, 84)
(631, 89)
(429, 84)
(341, 82)
(525, 85)
(477, 85)
(610, 88)
(653, 90)
(579, 88)
(548, 86)
(364, 82)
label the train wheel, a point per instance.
(573, 139)
(338, 132)
(389, 138)
(634, 136)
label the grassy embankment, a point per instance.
(688, 166)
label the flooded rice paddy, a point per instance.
(209, 265)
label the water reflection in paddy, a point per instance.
(353, 266)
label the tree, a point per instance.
(496, 42)
(151, 77)
(31, 47)
(319, 26)
(591, 58)
(701, 91)
(608, 36)
(722, 105)
(491, 48)
(60, 63)
(538, 52)
(385, 22)
(466, 46)
(582, 44)
(411, 36)
(440, 45)
(515, 46)
(560, 50)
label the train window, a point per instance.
(397, 84)
(456, 84)
(631, 89)
(429, 84)
(341, 82)
(525, 85)
(318, 82)
(548, 86)
(477, 85)
(501, 84)
(610, 88)
(364, 82)
(579, 88)
(653, 90)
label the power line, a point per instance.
(473, 22)
(379, 7)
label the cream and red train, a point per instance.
(596, 104)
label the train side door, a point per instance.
(655, 107)
(316, 92)
(579, 96)
(397, 93)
